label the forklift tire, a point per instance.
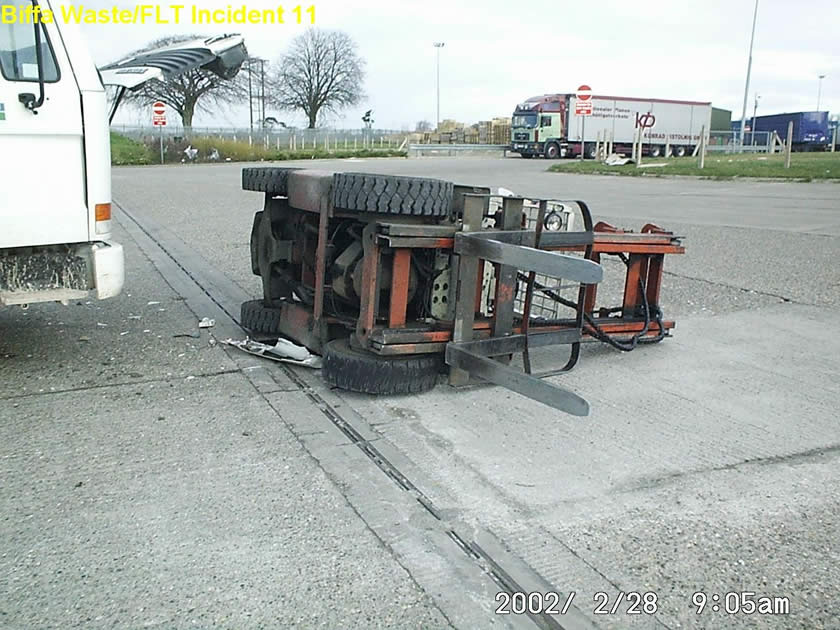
(257, 317)
(268, 180)
(387, 194)
(359, 371)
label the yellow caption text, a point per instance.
(157, 14)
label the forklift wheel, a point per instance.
(257, 317)
(267, 180)
(368, 373)
(387, 194)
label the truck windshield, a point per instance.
(18, 58)
(528, 121)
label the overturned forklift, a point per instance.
(393, 279)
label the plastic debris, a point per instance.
(153, 303)
(207, 323)
(284, 351)
(616, 159)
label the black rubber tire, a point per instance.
(552, 151)
(267, 179)
(679, 151)
(358, 371)
(388, 194)
(655, 151)
(257, 317)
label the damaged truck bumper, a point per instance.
(61, 273)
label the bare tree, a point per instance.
(196, 89)
(423, 126)
(320, 72)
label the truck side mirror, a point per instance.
(29, 101)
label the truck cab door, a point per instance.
(42, 200)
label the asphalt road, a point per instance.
(150, 478)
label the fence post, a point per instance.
(598, 146)
(834, 139)
(789, 145)
(703, 147)
(667, 144)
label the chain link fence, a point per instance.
(730, 142)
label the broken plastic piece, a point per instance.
(284, 351)
(617, 159)
(207, 323)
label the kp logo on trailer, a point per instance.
(645, 121)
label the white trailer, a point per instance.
(55, 156)
(675, 125)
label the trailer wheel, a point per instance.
(268, 180)
(589, 151)
(359, 371)
(387, 194)
(655, 151)
(552, 151)
(257, 317)
(679, 151)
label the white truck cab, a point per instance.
(55, 156)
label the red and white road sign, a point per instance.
(583, 101)
(159, 114)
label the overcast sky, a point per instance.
(498, 53)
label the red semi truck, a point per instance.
(547, 125)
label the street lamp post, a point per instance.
(438, 45)
(749, 68)
(819, 90)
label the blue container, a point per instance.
(809, 128)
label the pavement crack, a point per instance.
(790, 458)
(88, 388)
(717, 283)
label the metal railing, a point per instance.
(274, 138)
(327, 138)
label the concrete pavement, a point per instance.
(709, 463)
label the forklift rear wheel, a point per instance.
(387, 194)
(359, 371)
(268, 180)
(257, 317)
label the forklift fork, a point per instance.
(508, 249)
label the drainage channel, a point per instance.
(205, 289)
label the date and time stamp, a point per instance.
(746, 603)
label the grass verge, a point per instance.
(804, 167)
(125, 151)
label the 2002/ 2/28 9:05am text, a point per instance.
(634, 603)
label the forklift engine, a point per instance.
(392, 279)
